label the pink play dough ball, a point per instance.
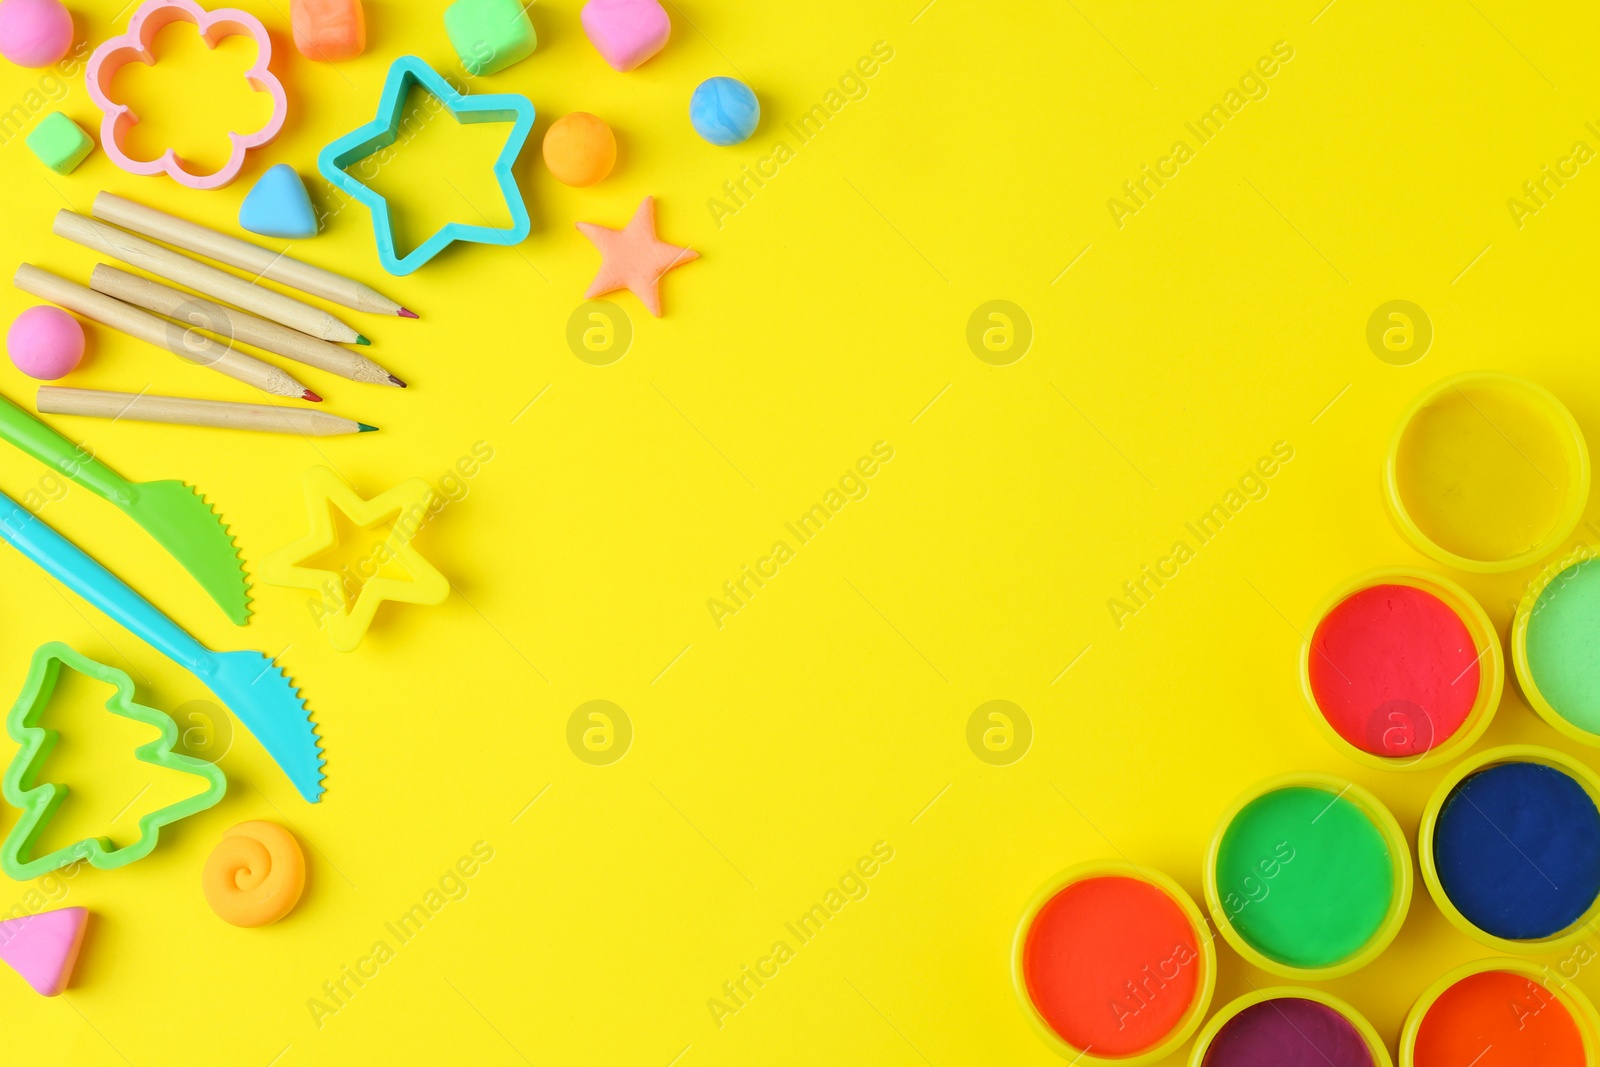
(34, 33)
(45, 342)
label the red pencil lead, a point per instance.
(407, 313)
(313, 397)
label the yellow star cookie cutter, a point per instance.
(404, 509)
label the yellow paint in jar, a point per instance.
(1486, 472)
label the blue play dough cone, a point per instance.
(279, 205)
(724, 111)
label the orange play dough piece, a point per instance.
(579, 149)
(634, 258)
(255, 875)
(328, 30)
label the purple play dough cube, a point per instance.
(626, 32)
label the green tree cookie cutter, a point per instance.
(39, 801)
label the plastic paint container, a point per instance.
(1486, 473)
(1402, 669)
(1290, 1026)
(1510, 849)
(1555, 644)
(1308, 876)
(1113, 965)
(1501, 1013)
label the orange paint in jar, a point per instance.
(1113, 965)
(1498, 1019)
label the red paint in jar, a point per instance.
(1394, 670)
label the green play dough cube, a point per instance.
(489, 35)
(59, 142)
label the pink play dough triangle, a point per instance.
(43, 947)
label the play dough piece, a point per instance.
(489, 35)
(633, 258)
(329, 30)
(59, 143)
(626, 32)
(43, 948)
(34, 33)
(1517, 847)
(255, 875)
(579, 149)
(279, 205)
(724, 111)
(45, 343)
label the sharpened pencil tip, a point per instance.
(360, 340)
(366, 429)
(309, 395)
(397, 381)
(407, 313)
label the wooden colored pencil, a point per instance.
(217, 284)
(186, 411)
(238, 325)
(186, 343)
(262, 262)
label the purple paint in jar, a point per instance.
(1288, 1032)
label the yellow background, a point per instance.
(828, 313)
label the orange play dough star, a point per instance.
(633, 258)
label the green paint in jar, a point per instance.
(1564, 644)
(1304, 876)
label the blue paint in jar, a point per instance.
(1517, 848)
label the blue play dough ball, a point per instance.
(1517, 848)
(724, 111)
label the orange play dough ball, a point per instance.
(579, 149)
(255, 875)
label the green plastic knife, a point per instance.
(175, 514)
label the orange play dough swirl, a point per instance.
(255, 875)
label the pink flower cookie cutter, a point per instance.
(134, 46)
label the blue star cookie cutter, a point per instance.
(353, 147)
